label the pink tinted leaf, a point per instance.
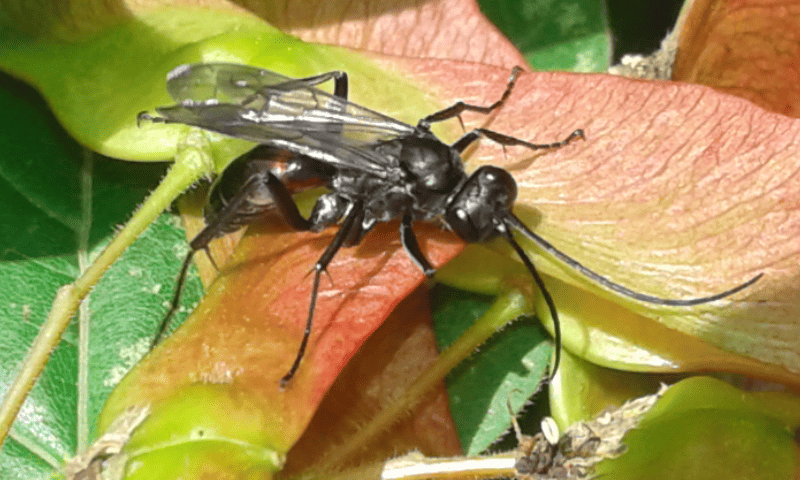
(384, 367)
(449, 29)
(679, 191)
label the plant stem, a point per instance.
(191, 163)
(506, 308)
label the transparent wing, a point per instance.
(269, 108)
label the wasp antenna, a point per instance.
(549, 248)
(502, 227)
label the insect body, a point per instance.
(377, 169)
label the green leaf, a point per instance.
(583, 390)
(565, 35)
(61, 205)
(509, 368)
(152, 89)
(83, 80)
(703, 428)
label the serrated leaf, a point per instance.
(509, 368)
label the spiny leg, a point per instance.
(458, 108)
(285, 203)
(345, 230)
(411, 246)
(220, 225)
(213, 230)
(241, 207)
(507, 141)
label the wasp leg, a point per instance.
(213, 230)
(458, 108)
(358, 233)
(508, 141)
(356, 212)
(227, 217)
(410, 244)
(283, 199)
(176, 299)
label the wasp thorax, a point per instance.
(473, 211)
(433, 164)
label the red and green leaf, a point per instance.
(678, 191)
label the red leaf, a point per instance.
(678, 191)
(383, 369)
(247, 329)
(446, 29)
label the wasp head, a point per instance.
(484, 198)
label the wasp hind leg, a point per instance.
(228, 219)
(356, 212)
(411, 246)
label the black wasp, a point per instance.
(377, 169)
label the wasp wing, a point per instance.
(227, 82)
(272, 109)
